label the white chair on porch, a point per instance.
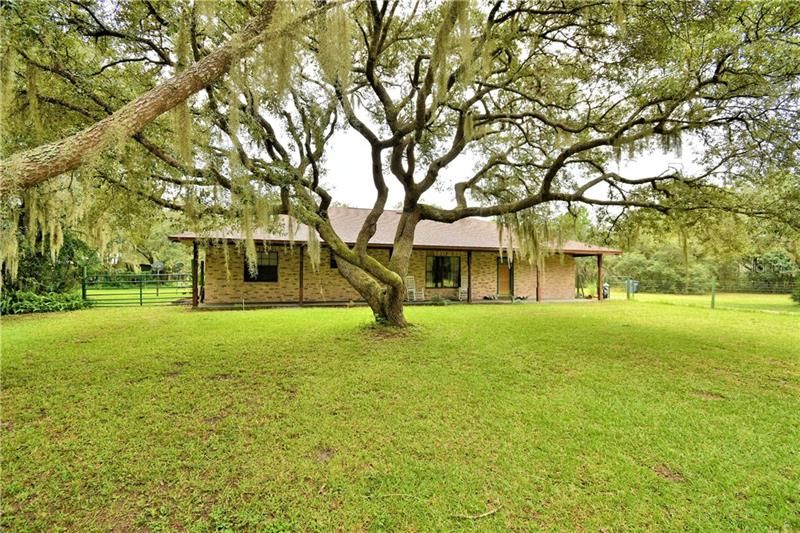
(413, 294)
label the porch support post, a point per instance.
(300, 275)
(599, 277)
(513, 266)
(538, 284)
(195, 292)
(202, 281)
(469, 277)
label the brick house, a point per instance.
(458, 261)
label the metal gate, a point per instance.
(130, 289)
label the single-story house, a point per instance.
(457, 261)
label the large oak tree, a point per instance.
(544, 97)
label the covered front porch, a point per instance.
(435, 275)
(427, 303)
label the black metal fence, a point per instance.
(131, 289)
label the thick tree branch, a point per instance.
(31, 167)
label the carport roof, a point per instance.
(465, 234)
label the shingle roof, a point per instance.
(465, 234)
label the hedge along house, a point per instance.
(457, 261)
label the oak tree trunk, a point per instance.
(391, 311)
(385, 301)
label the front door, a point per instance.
(505, 276)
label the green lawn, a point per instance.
(559, 416)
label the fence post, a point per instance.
(83, 285)
(628, 289)
(713, 292)
(141, 284)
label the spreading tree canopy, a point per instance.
(545, 98)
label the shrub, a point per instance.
(38, 273)
(19, 302)
(438, 300)
(796, 292)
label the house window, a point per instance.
(443, 272)
(333, 260)
(267, 268)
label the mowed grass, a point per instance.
(779, 303)
(564, 416)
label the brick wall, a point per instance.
(524, 279)
(484, 274)
(228, 286)
(327, 285)
(558, 278)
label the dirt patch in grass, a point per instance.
(708, 395)
(291, 392)
(324, 454)
(216, 419)
(177, 369)
(668, 473)
(382, 332)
